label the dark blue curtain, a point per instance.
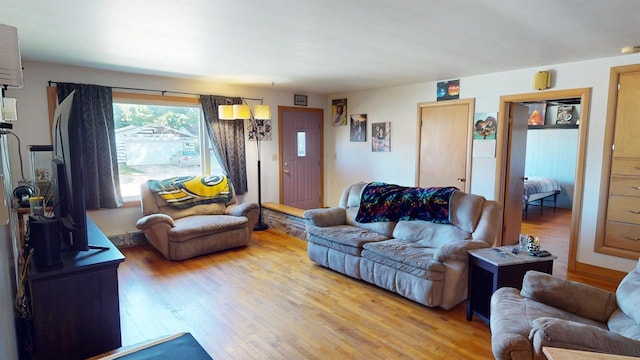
(99, 158)
(227, 140)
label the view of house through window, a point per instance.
(158, 142)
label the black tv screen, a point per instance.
(69, 208)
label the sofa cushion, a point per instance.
(628, 294)
(622, 324)
(346, 238)
(512, 319)
(574, 297)
(355, 192)
(465, 210)
(384, 228)
(203, 209)
(411, 258)
(428, 234)
(198, 225)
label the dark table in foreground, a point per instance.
(490, 270)
(76, 310)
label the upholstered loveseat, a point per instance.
(555, 312)
(420, 260)
(182, 233)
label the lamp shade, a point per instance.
(241, 112)
(10, 61)
(225, 112)
(262, 112)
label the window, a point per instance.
(158, 139)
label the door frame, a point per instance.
(471, 104)
(502, 149)
(320, 112)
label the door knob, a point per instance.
(462, 179)
(286, 171)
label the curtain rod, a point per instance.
(162, 92)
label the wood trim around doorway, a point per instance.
(501, 153)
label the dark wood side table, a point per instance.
(76, 309)
(490, 270)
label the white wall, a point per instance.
(552, 153)
(33, 123)
(348, 162)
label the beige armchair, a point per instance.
(554, 312)
(201, 229)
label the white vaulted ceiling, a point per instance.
(318, 46)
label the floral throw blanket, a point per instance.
(388, 202)
(186, 191)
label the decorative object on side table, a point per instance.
(533, 244)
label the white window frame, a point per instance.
(166, 100)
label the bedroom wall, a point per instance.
(551, 153)
(348, 162)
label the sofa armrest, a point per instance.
(577, 298)
(547, 331)
(153, 219)
(326, 216)
(241, 209)
(457, 250)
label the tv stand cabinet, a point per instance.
(76, 310)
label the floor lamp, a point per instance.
(256, 117)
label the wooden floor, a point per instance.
(553, 227)
(268, 301)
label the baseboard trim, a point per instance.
(599, 272)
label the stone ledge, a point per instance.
(285, 219)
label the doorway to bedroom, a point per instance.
(515, 110)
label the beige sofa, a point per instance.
(184, 233)
(420, 260)
(554, 312)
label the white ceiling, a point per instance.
(328, 46)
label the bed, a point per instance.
(539, 189)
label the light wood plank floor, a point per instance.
(553, 228)
(268, 301)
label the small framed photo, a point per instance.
(300, 100)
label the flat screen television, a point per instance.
(69, 207)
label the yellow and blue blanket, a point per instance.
(186, 191)
(388, 202)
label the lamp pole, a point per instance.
(243, 111)
(260, 226)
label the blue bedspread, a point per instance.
(388, 202)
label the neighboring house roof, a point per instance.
(153, 131)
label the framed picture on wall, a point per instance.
(300, 100)
(358, 127)
(381, 137)
(537, 113)
(565, 115)
(339, 111)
